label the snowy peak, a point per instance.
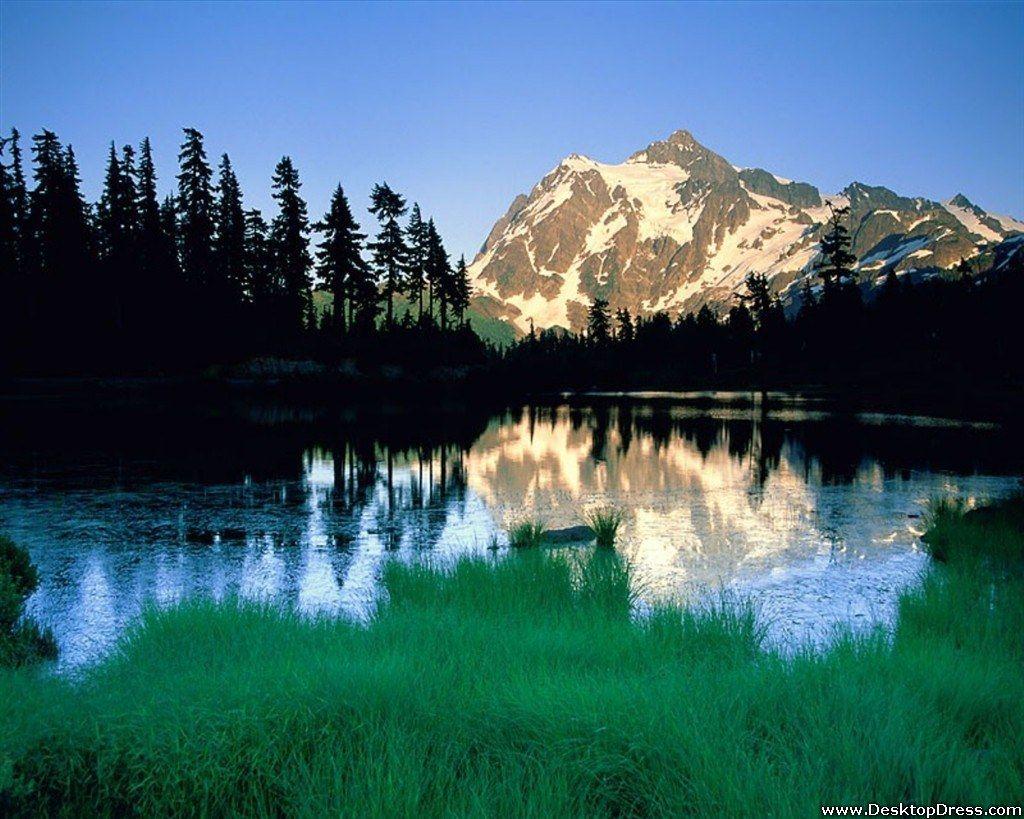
(676, 226)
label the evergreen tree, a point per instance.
(196, 209)
(11, 295)
(599, 321)
(416, 234)
(60, 243)
(229, 245)
(625, 325)
(835, 266)
(171, 238)
(461, 289)
(15, 203)
(339, 259)
(150, 242)
(439, 272)
(262, 293)
(390, 254)
(116, 222)
(289, 239)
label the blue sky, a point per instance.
(463, 106)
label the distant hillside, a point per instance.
(483, 316)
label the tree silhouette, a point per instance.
(390, 254)
(339, 259)
(439, 273)
(461, 290)
(196, 208)
(599, 322)
(289, 241)
(416, 234)
(835, 265)
(230, 283)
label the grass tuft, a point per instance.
(526, 534)
(605, 523)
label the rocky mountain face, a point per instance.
(676, 226)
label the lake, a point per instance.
(812, 512)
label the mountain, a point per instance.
(676, 226)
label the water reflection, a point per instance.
(815, 514)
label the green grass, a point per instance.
(604, 523)
(523, 687)
(526, 534)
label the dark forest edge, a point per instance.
(198, 286)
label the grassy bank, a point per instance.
(522, 687)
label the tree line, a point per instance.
(133, 282)
(949, 329)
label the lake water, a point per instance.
(814, 514)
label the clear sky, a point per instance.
(463, 106)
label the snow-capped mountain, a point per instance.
(676, 226)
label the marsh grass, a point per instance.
(990, 535)
(526, 534)
(525, 687)
(605, 523)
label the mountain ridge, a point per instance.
(676, 226)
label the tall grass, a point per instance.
(604, 523)
(524, 687)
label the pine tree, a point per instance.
(11, 295)
(171, 238)
(599, 321)
(339, 258)
(439, 272)
(835, 266)
(150, 242)
(416, 234)
(60, 243)
(625, 324)
(196, 209)
(16, 203)
(390, 254)
(262, 294)
(229, 244)
(116, 222)
(289, 239)
(461, 289)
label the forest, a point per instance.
(133, 284)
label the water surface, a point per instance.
(813, 513)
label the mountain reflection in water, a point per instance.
(813, 514)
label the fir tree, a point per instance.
(229, 243)
(196, 209)
(150, 243)
(289, 235)
(390, 254)
(17, 194)
(339, 259)
(439, 272)
(262, 294)
(416, 233)
(171, 239)
(835, 266)
(59, 263)
(116, 222)
(599, 321)
(461, 289)
(624, 321)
